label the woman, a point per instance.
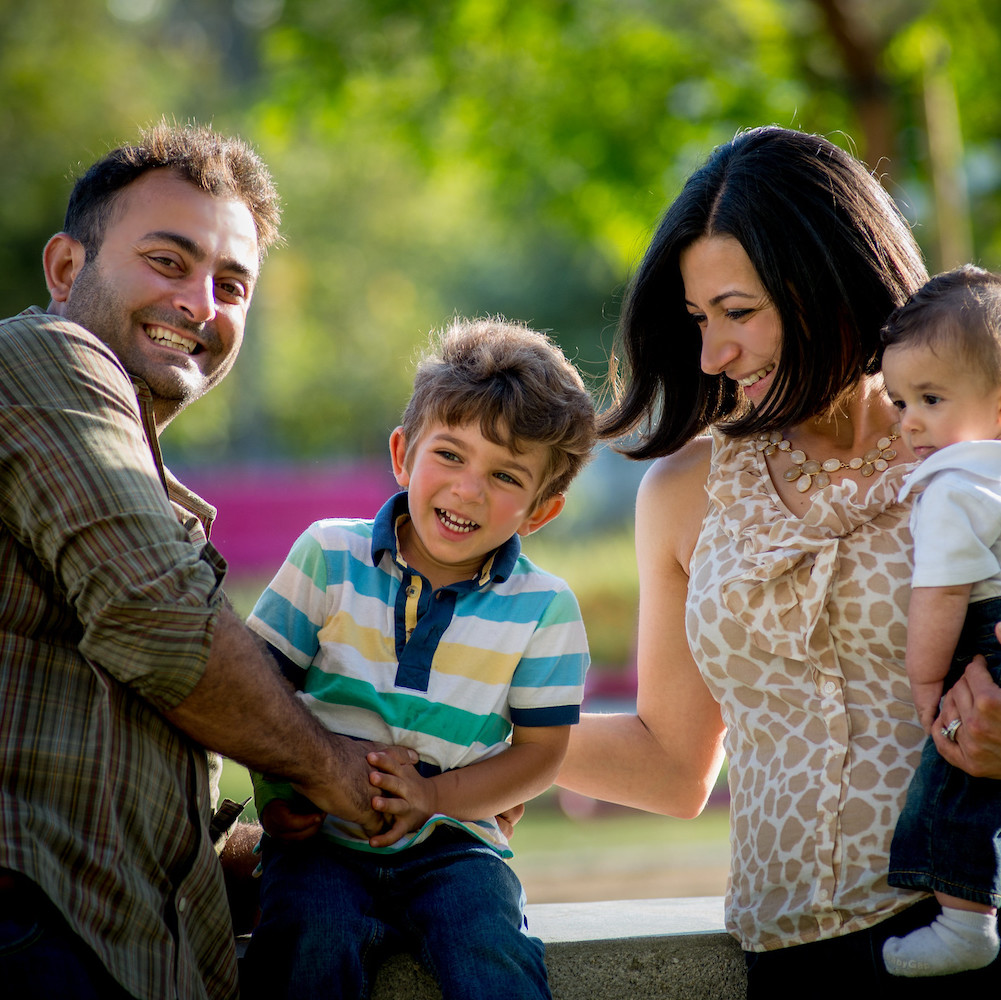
(773, 591)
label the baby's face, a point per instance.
(940, 402)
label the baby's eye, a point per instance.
(899, 404)
(930, 399)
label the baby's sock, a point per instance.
(956, 941)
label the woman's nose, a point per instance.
(718, 351)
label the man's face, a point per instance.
(170, 288)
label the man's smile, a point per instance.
(170, 338)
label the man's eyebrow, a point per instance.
(189, 246)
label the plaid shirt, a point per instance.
(106, 617)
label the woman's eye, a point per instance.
(737, 313)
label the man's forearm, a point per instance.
(243, 709)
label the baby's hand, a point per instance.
(926, 695)
(407, 799)
(284, 823)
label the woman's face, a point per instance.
(740, 327)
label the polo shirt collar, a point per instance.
(496, 568)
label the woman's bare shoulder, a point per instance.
(681, 474)
(671, 503)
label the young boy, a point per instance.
(942, 369)
(426, 628)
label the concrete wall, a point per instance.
(668, 949)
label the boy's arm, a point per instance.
(489, 787)
(934, 621)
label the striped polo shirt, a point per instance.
(447, 672)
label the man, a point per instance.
(119, 658)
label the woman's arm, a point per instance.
(667, 756)
(976, 700)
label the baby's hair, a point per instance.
(957, 314)
(515, 383)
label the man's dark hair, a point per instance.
(220, 165)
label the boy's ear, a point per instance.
(543, 513)
(398, 453)
(62, 260)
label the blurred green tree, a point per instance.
(472, 156)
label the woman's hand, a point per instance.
(975, 700)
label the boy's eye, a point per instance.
(507, 478)
(449, 456)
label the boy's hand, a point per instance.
(408, 799)
(507, 819)
(284, 823)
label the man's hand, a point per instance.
(976, 701)
(349, 792)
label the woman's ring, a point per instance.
(949, 731)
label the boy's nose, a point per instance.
(469, 487)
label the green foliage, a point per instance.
(470, 156)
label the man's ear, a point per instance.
(398, 453)
(62, 260)
(543, 513)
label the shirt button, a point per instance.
(182, 904)
(830, 687)
(411, 591)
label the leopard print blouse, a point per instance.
(799, 626)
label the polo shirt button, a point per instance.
(182, 904)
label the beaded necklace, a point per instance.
(808, 472)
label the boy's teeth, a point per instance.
(759, 374)
(159, 335)
(456, 523)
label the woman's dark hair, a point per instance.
(831, 250)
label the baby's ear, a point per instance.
(398, 453)
(544, 512)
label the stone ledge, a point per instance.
(668, 949)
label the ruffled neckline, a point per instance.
(785, 566)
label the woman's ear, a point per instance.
(543, 513)
(398, 453)
(62, 260)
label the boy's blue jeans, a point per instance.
(328, 911)
(948, 837)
